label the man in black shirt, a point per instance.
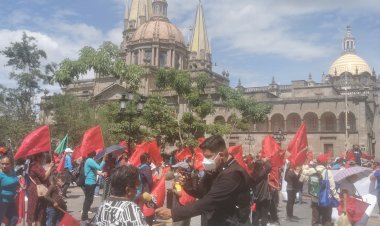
(228, 199)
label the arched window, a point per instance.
(262, 126)
(311, 120)
(351, 122)
(293, 122)
(219, 120)
(328, 122)
(277, 122)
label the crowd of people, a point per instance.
(223, 192)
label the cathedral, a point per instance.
(340, 110)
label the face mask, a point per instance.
(209, 164)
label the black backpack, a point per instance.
(81, 177)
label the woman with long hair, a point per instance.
(37, 175)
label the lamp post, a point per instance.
(250, 140)
(128, 100)
(279, 136)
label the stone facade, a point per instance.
(150, 40)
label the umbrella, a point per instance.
(359, 171)
(117, 149)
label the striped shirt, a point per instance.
(116, 212)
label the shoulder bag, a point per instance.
(41, 189)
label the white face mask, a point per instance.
(209, 164)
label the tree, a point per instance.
(251, 111)
(72, 116)
(104, 61)
(17, 105)
(190, 92)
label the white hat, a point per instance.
(68, 150)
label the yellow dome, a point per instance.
(158, 29)
(351, 63)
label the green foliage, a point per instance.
(182, 83)
(72, 116)
(205, 108)
(251, 111)
(25, 58)
(104, 61)
(160, 119)
(218, 129)
(201, 81)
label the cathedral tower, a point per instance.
(200, 50)
(136, 14)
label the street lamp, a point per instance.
(279, 136)
(128, 99)
(250, 140)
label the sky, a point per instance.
(254, 40)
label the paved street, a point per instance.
(303, 211)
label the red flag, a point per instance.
(92, 141)
(253, 207)
(158, 194)
(69, 220)
(355, 208)
(140, 149)
(298, 147)
(367, 156)
(201, 140)
(185, 198)
(198, 159)
(237, 153)
(76, 152)
(124, 143)
(61, 165)
(154, 152)
(350, 156)
(183, 154)
(21, 202)
(274, 178)
(35, 142)
(269, 147)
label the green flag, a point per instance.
(62, 145)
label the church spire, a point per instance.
(199, 46)
(348, 42)
(140, 11)
(126, 15)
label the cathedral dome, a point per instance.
(158, 29)
(351, 63)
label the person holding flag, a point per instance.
(67, 171)
(8, 189)
(37, 175)
(228, 200)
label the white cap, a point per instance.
(68, 150)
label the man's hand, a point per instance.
(163, 213)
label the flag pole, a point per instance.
(51, 150)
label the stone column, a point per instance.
(270, 125)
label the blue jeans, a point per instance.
(99, 181)
(53, 216)
(378, 199)
(9, 211)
